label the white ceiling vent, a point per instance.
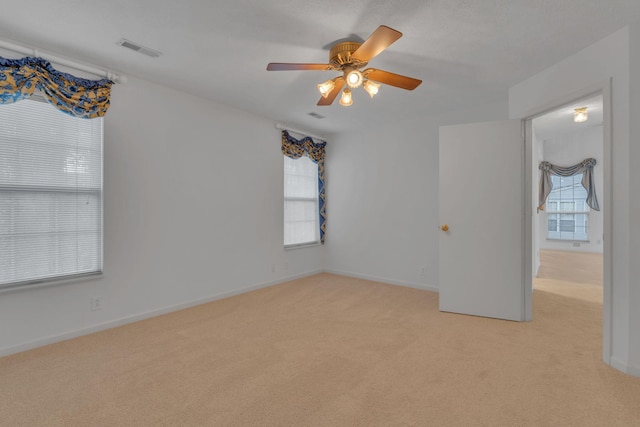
(139, 48)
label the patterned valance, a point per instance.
(20, 78)
(585, 167)
(294, 149)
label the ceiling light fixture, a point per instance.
(353, 78)
(345, 99)
(371, 87)
(580, 115)
(350, 58)
(326, 87)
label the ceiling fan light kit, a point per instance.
(349, 57)
(353, 77)
(371, 87)
(326, 88)
(345, 99)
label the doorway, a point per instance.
(477, 143)
(567, 234)
(530, 189)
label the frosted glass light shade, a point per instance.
(371, 87)
(326, 88)
(580, 115)
(354, 78)
(345, 99)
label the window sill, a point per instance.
(36, 284)
(301, 245)
(568, 241)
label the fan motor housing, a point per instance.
(340, 55)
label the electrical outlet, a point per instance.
(422, 272)
(273, 268)
(286, 265)
(96, 303)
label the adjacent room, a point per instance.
(337, 213)
(568, 232)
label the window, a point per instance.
(50, 194)
(567, 210)
(300, 202)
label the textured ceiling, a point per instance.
(467, 52)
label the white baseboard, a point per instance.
(624, 367)
(6, 351)
(384, 280)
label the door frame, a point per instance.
(604, 88)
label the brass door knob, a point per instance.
(444, 227)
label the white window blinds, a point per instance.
(300, 201)
(50, 194)
(567, 209)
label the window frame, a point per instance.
(555, 213)
(287, 198)
(98, 192)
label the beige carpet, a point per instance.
(577, 275)
(578, 267)
(327, 351)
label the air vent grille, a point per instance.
(139, 48)
(316, 115)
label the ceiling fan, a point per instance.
(350, 57)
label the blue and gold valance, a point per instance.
(20, 78)
(294, 149)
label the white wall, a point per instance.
(609, 58)
(193, 211)
(633, 302)
(570, 149)
(383, 199)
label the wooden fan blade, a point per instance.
(332, 95)
(285, 66)
(381, 39)
(397, 80)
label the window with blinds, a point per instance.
(300, 202)
(50, 194)
(567, 210)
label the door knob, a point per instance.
(444, 227)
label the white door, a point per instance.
(481, 202)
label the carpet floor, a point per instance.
(328, 350)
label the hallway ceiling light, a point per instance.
(580, 115)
